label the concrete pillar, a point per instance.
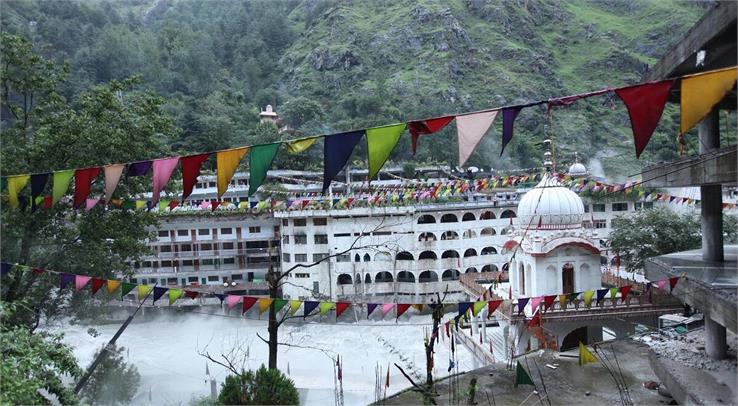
(711, 195)
(715, 343)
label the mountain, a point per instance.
(332, 66)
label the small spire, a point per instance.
(576, 157)
(547, 163)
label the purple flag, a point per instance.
(139, 168)
(508, 119)
(158, 292)
(370, 308)
(463, 307)
(521, 304)
(65, 279)
(309, 306)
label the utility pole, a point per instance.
(100, 357)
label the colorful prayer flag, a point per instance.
(337, 149)
(521, 376)
(191, 166)
(700, 93)
(425, 127)
(227, 162)
(471, 128)
(61, 181)
(585, 356)
(15, 185)
(297, 146)
(645, 104)
(380, 142)
(112, 177)
(163, 169)
(508, 120)
(260, 160)
(82, 181)
(80, 281)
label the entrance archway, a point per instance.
(567, 278)
(573, 339)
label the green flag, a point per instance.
(613, 292)
(174, 294)
(279, 304)
(260, 160)
(61, 184)
(126, 287)
(522, 377)
(325, 307)
(380, 142)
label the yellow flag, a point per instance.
(701, 93)
(585, 356)
(419, 307)
(294, 305)
(227, 162)
(140, 204)
(587, 297)
(15, 185)
(264, 304)
(297, 146)
(562, 301)
(112, 285)
(143, 290)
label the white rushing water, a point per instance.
(165, 351)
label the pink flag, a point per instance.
(535, 302)
(112, 176)
(386, 308)
(205, 204)
(232, 301)
(163, 169)
(660, 284)
(80, 281)
(90, 203)
(471, 128)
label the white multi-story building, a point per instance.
(410, 251)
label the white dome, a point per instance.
(577, 169)
(552, 204)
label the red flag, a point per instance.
(191, 294)
(173, 204)
(548, 301)
(48, 202)
(82, 181)
(190, 171)
(402, 308)
(214, 205)
(448, 333)
(492, 305)
(645, 104)
(673, 282)
(536, 320)
(248, 301)
(37, 271)
(624, 290)
(341, 307)
(97, 283)
(425, 127)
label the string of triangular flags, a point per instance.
(645, 103)
(537, 304)
(425, 191)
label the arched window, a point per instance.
(405, 276)
(428, 276)
(450, 235)
(489, 268)
(450, 254)
(383, 256)
(468, 217)
(344, 279)
(488, 231)
(367, 279)
(508, 214)
(449, 218)
(450, 275)
(357, 279)
(404, 256)
(470, 234)
(357, 258)
(505, 267)
(426, 237)
(471, 270)
(427, 255)
(506, 230)
(383, 277)
(367, 258)
(471, 252)
(487, 215)
(426, 219)
(489, 251)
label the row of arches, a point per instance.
(409, 277)
(428, 236)
(470, 252)
(452, 218)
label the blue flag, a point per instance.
(337, 149)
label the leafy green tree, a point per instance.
(32, 363)
(649, 233)
(265, 387)
(114, 382)
(301, 110)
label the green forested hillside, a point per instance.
(330, 66)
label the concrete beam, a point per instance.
(717, 167)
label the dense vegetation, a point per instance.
(331, 66)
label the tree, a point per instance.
(265, 387)
(113, 382)
(33, 364)
(301, 110)
(649, 233)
